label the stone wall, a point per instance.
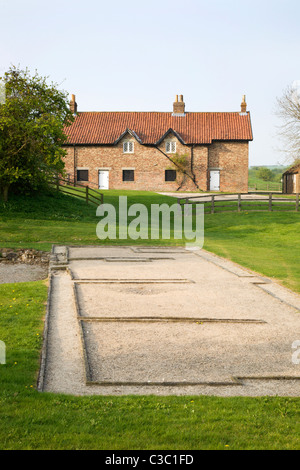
(28, 256)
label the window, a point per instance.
(170, 146)
(82, 175)
(128, 147)
(170, 175)
(128, 175)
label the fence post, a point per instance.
(297, 202)
(212, 204)
(87, 194)
(239, 203)
(57, 183)
(270, 202)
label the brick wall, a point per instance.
(149, 165)
(232, 159)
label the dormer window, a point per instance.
(170, 146)
(128, 147)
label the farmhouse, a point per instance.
(291, 180)
(160, 151)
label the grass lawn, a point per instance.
(266, 242)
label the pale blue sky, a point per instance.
(136, 56)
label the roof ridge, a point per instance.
(165, 112)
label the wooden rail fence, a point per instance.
(78, 190)
(243, 202)
(264, 186)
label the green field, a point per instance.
(255, 183)
(266, 242)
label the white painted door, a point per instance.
(103, 179)
(214, 184)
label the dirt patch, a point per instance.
(23, 265)
(19, 272)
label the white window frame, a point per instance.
(128, 146)
(170, 146)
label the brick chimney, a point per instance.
(244, 105)
(73, 105)
(179, 106)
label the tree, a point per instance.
(288, 109)
(264, 174)
(32, 119)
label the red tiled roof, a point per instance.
(194, 128)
